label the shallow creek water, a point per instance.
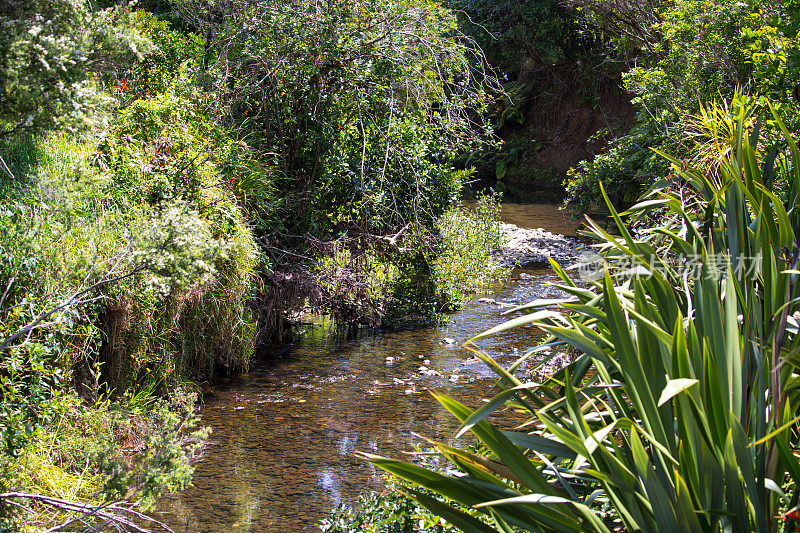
(281, 454)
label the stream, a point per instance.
(281, 452)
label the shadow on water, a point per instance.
(281, 453)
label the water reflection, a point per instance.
(284, 436)
(548, 216)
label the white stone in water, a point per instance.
(448, 340)
(454, 378)
(426, 362)
(423, 368)
(389, 360)
(409, 391)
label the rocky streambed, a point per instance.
(527, 246)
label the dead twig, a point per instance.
(109, 512)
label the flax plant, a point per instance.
(681, 413)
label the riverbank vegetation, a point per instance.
(679, 411)
(674, 57)
(180, 178)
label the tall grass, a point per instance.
(681, 413)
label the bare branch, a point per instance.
(74, 299)
(85, 510)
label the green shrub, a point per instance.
(686, 53)
(185, 262)
(136, 447)
(625, 168)
(392, 510)
(414, 276)
(383, 512)
(172, 52)
(470, 238)
(518, 33)
(190, 237)
(361, 108)
(126, 263)
(52, 56)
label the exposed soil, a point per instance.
(560, 112)
(566, 111)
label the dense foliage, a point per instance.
(515, 32)
(549, 60)
(178, 178)
(577, 71)
(53, 53)
(360, 105)
(675, 55)
(115, 250)
(390, 510)
(175, 180)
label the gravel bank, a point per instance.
(526, 246)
